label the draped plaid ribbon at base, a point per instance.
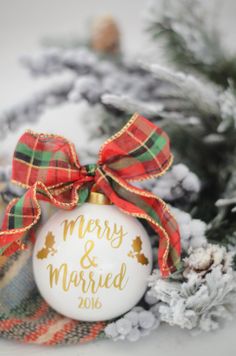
(26, 317)
(48, 167)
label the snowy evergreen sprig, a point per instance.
(206, 294)
(197, 102)
(121, 85)
(202, 95)
(178, 184)
(130, 105)
(52, 92)
(191, 37)
(210, 102)
(136, 323)
(192, 231)
(77, 74)
(51, 60)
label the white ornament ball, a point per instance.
(92, 263)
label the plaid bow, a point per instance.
(48, 167)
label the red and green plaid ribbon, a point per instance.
(48, 167)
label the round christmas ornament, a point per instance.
(92, 259)
(92, 263)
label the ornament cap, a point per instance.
(98, 198)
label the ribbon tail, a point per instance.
(23, 213)
(145, 205)
(20, 216)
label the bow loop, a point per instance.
(49, 159)
(140, 150)
(48, 166)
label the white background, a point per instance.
(22, 24)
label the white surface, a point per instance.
(99, 244)
(22, 24)
(165, 341)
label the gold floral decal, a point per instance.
(48, 247)
(136, 251)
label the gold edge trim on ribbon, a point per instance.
(38, 208)
(44, 135)
(117, 134)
